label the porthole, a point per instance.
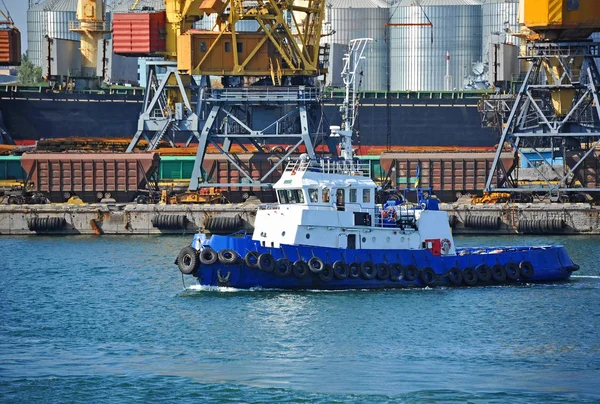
(387, 239)
(307, 235)
(283, 233)
(373, 239)
(364, 239)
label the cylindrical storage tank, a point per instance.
(50, 18)
(352, 19)
(499, 18)
(418, 63)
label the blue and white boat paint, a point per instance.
(327, 232)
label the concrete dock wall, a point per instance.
(188, 219)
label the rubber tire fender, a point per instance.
(411, 273)
(326, 274)
(526, 269)
(354, 270)
(484, 275)
(316, 265)
(383, 271)
(396, 272)
(454, 276)
(283, 268)
(251, 259)
(187, 260)
(427, 276)
(512, 271)
(208, 256)
(228, 257)
(340, 270)
(498, 273)
(469, 276)
(368, 270)
(300, 269)
(266, 262)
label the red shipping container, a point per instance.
(10, 47)
(139, 34)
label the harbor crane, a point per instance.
(555, 116)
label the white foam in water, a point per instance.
(586, 276)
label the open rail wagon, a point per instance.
(92, 177)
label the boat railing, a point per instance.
(330, 166)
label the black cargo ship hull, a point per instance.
(405, 122)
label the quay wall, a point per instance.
(137, 219)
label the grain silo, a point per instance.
(351, 19)
(418, 54)
(49, 19)
(499, 20)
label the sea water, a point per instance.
(109, 319)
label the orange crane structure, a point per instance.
(556, 113)
(10, 41)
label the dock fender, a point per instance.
(340, 270)
(368, 270)
(410, 273)
(484, 275)
(469, 276)
(208, 256)
(266, 262)
(300, 269)
(383, 271)
(454, 276)
(187, 260)
(427, 276)
(354, 270)
(251, 259)
(396, 273)
(498, 273)
(283, 267)
(326, 274)
(228, 256)
(526, 268)
(512, 271)
(316, 265)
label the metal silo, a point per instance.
(499, 19)
(351, 19)
(418, 63)
(50, 18)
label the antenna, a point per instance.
(352, 59)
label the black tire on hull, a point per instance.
(526, 269)
(187, 261)
(208, 256)
(498, 273)
(383, 271)
(316, 265)
(326, 274)
(354, 270)
(512, 271)
(368, 270)
(427, 276)
(228, 257)
(266, 262)
(340, 270)
(454, 276)
(410, 273)
(469, 276)
(484, 275)
(300, 269)
(396, 273)
(251, 259)
(283, 268)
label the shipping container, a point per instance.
(448, 174)
(10, 47)
(139, 34)
(10, 168)
(90, 176)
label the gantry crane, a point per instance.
(284, 48)
(557, 108)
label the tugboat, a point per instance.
(326, 231)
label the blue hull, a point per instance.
(549, 264)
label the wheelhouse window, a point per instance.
(366, 195)
(353, 197)
(325, 195)
(313, 195)
(290, 196)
